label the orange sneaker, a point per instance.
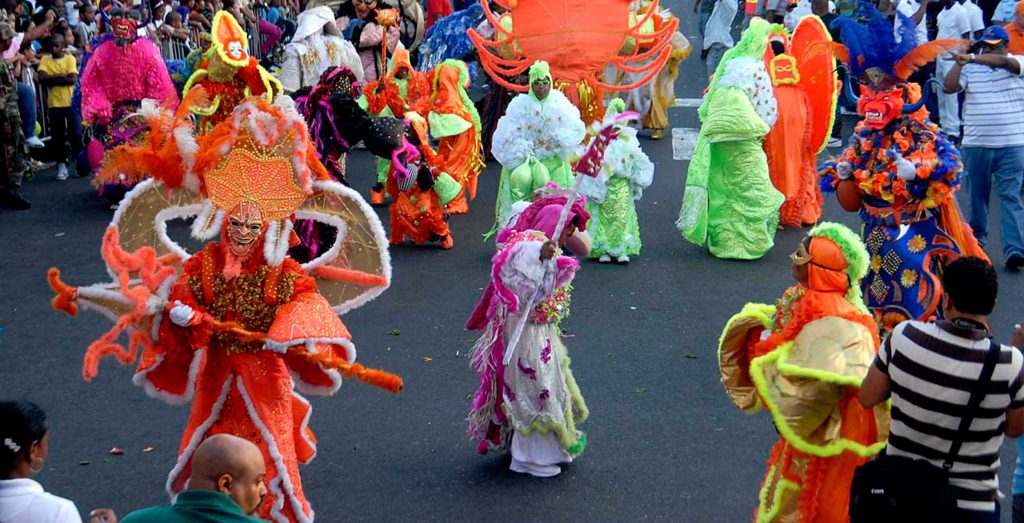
(447, 242)
(376, 197)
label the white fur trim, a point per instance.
(167, 214)
(208, 223)
(303, 425)
(198, 436)
(335, 248)
(279, 464)
(333, 374)
(142, 379)
(275, 241)
(185, 139)
(378, 235)
(283, 346)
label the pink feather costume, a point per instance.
(114, 83)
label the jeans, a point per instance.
(1006, 165)
(1018, 508)
(66, 133)
(27, 108)
(715, 54)
(974, 516)
(704, 17)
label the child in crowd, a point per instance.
(58, 73)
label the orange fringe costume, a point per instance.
(803, 360)
(455, 122)
(417, 211)
(241, 336)
(806, 90)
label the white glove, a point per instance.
(844, 170)
(905, 169)
(181, 314)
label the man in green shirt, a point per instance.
(226, 486)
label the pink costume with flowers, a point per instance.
(531, 404)
(238, 328)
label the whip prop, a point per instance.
(378, 378)
(589, 164)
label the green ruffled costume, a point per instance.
(730, 202)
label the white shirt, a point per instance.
(718, 29)
(908, 8)
(24, 501)
(802, 9)
(1004, 11)
(993, 106)
(974, 16)
(952, 22)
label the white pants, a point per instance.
(949, 104)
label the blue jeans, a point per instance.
(1006, 166)
(27, 108)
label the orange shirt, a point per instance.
(1016, 39)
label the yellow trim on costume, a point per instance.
(757, 311)
(833, 448)
(781, 487)
(792, 68)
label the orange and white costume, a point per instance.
(238, 328)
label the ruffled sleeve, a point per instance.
(807, 385)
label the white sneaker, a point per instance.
(604, 259)
(834, 142)
(623, 259)
(62, 171)
(34, 142)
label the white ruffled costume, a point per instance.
(316, 46)
(533, 142)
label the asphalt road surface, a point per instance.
(665, 443)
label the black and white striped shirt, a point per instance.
(933, 368)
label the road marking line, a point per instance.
(684, 141)
(688, 102)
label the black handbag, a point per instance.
(900, 489)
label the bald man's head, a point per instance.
(233, 466)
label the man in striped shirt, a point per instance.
(930, 369)
(993, 140)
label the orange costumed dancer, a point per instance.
(238, 327)
(228, 74)
(455, 123)
(806, 89)
(803, 360)
(418, 196)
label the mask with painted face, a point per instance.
(124, 30)
(244, 227)
(880, 107)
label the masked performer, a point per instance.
(806, 89)
(455, 123)
(534, 140)
(419, 195)
(238, 328)
(228, 74)
(899, 172)
(336, 121)
(730, 202)
(392, 96)
(528, 400)
(316, 46)
(625, 173)
(803, 359)
(122, 71)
